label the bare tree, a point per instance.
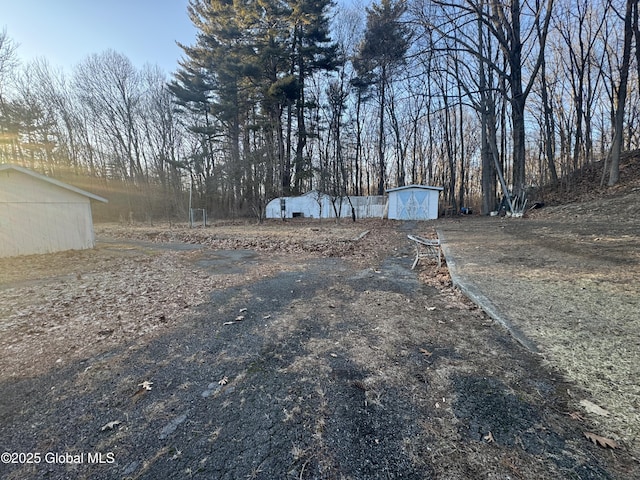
(8, 66)
(579, 25)
(8, 59)
(163, 137)
(109, 85)
(518, 42)
(54, 91)
(616, 146)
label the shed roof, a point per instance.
(423, 187)
(52, 181)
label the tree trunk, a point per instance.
(517, 118)
(488, 170)
(381, 159)
(549, 140)
(358, 159)
(302, 131)
(463, 176)
(449, 150)
(616, 146)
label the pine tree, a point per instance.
(212, 84)
(248, 71)
(312, 51)
(383, 50)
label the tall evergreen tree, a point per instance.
(312, 51)
(383, 50)
(256, 53)
(210, 81)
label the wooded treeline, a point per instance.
(277, 97)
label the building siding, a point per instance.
(318, 205)
(41, 217)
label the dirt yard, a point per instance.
(296, 350)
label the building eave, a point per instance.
(423, 187)
(53, 181)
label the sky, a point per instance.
(65, 32)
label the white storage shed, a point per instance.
(315, 204)
(413, 202)
(39, 214)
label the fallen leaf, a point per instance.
(110, 425)
(601, 441)
(576, 416)
(223, 381)
(146, 385)
(489, 438)
(360, 384)
(591, 407)
(138, 395)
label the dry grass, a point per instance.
(571, 283)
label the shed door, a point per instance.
(413, 205)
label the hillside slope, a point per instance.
(583, 185)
